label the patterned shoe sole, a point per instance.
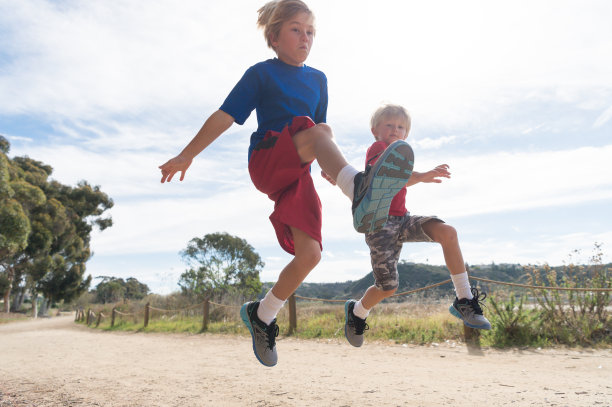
(391, 172)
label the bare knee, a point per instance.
(389, 293)
(440, 232)
(308, 258)
(449, 234)
(307, 141)
(386, 291)
(323, 130)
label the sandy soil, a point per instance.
(54, 362)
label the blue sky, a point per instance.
(515, 96)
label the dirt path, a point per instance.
(53, 362)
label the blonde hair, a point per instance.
(274, 13)
(390, 110)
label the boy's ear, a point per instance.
(273, 40)
(374, 132)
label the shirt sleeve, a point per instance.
(373, 152)
(243, 99)
(321, 112)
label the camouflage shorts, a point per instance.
(386, 245)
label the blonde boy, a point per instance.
(389, 124)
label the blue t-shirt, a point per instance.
(278, 92)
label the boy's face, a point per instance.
(390, 129)
(293, 42)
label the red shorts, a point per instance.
(276, 170)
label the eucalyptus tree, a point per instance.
(60, 219)
(14, 225)
(219, 264)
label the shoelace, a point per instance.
(359, 325)
(272, 333)
(477, 300)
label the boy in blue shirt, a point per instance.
(290, 100)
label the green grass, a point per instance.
(12, 317)
(514, 324)
(401, 323)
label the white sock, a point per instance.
(346, 182)
(269, 307)
(462, 285)
(360, 311)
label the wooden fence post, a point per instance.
(292, 314)
(471, 336)
(146, 317)
(205, 315)
(88, 315)
(99, 319)
(113, 317)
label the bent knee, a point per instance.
(321, 130)
(391, 291)
(309, 258)
(388, 289)
(444, 233)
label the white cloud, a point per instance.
(603, 118)
(430, 143)
(88, 60)
(124, 87)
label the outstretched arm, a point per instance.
(214, 126)
(430, 176)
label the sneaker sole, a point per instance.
(391, 172)
(346, 305)
(457, 314)
(245, 318)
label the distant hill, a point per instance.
(414, 275)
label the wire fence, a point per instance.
(90, 316)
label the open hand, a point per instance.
(435, 174)
(178, 163)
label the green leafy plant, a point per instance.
(575, 317)
(512, 324)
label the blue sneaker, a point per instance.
(470, 312)
(264, 336)
(376, 187)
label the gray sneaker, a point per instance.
(264, 336)
(376, 187)
(469, 311)
(353, 325)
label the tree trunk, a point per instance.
(18, 297)
(7, 300)
(10, 275)
(43, 307)
(34, 305)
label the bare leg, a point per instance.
(307, 256)
(318, 143)
(374, 295)
(446, 235)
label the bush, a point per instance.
(512, 324)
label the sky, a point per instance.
(515, 96)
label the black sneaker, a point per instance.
(469, 311)
(353, 325)
(376, 187)
(264, 336)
